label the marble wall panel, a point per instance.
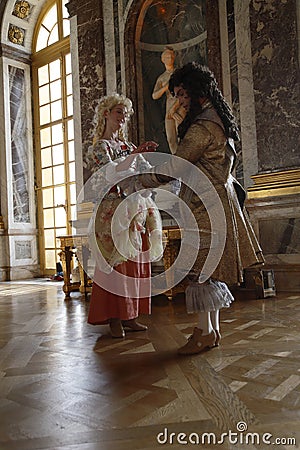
(276, 82)
(91, 65)
(280, 236)
(213, 39)
(19, 147)
(23, 250)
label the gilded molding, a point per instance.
(274, 184)
(16, 35)
(21, 9)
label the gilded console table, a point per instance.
(74, 247)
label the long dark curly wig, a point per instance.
(199, 81)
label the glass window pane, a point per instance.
(43, 75)
(49, 238)
(60, 217)
(56, 111)
(73, 194)
(68, 63)
(47, 177)
(66, 27)
(48, 218)
(53, 35)
(44, 96)
(60, 232)
(46, 157)
(50, 259)
(69, 84)
(71, 151)
(73, 212)
(42, 39)
(46, 137)
(70, 105)
(59, 195)
(65, 12)
(54, 70)
(59, 174)
(58, 155)
(55, 90)
(72, 171)
(44, 114)
(70, 130)
(57, 134)
(50, 18)
(48, 198)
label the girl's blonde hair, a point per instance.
(107, 103)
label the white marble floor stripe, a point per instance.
(226, 361)
(112, 346)
(242, 342)
(284, 388)
(261, 333)
(282, 354)
(237, 385)
(247, 325)
(21, 290)
(261, 368)
(228, 320)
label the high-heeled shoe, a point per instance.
(116, 328)
(134, 325)
(197, 343)
(218, 338)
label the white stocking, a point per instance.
(214, 317)
(204, 323)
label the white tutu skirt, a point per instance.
(210, 296)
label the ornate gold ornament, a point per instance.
(21, 9)
(16, 34)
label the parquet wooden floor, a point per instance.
(66, 385)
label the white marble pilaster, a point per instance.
(246, 90)
(109, 46)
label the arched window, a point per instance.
(54, 130)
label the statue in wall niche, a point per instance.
(174, 112)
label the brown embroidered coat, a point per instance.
(206, 146)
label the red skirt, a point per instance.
(127, 303)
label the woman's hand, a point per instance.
(149, 146)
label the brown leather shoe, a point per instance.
(116, 328)
(197, 343)
(134, 325)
